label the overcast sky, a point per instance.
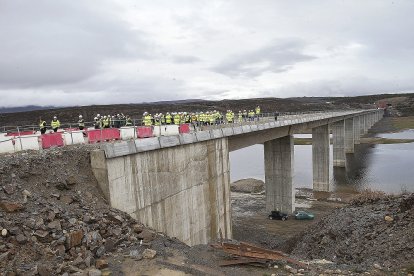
(66, 52)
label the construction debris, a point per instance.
(253, 253)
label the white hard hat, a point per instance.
(54, 117)
(80, 116)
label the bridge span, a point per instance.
(180, 185)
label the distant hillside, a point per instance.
(403, 104)
(24, 108)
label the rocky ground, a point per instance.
(375, 230)
(55, 221)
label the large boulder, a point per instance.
(248, 185)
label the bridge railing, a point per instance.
(16, 138)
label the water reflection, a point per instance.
(406, 134)
(378, 167)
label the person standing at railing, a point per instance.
(240, 116)
(168, 118)
(251, 115)
(128, 121)
(81, 123)
(245, 115)
(97, 123)
(276, 114)
(229, 117)
(55, 124)
(257, 110)
(176, 118)
(42, 126)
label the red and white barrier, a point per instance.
(169, 130)
(127, 133)
(52, 140)
(74, 137)
(100, 135)
(144, 132)
(184, 128)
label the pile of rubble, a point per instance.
(54, 220)
(373, 231)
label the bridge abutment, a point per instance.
(183, 191)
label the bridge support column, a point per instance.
(280, 194)
(357, 136)
(361, 125)
(366, 123)
(349, 135)
(338, 135)
(320, 158)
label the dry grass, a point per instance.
(402, 123)
(368, 196)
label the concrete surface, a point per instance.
(320, 158)
(278, 155)
(183, 191)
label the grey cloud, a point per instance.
(55, 42)
(186, 59)
(277, 57)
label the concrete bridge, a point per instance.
(180, 185)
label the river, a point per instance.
(383, 167)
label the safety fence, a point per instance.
(13, 139)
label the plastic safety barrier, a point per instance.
(7, 144)
(185, 128)
(74, 137)
(99, 135)
(22, 133)
(156, 131)
(144, 132)
(169, 130)
(51, 140)
(127, 133)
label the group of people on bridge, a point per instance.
(169, 118)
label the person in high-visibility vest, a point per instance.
(168, 118)
(240, 116)
(55, 124)
(81, 123)
(42, 126)
(228, 117)
(147, 119)
(257, 111)
(251, 115)
(177, 119)
(157, 119)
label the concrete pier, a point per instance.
(349, 135)
(361, 125)
(278, 155)
(357, 137)
(320, 158)
(338, 141)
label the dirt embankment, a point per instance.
(375, 230)
(54, 219)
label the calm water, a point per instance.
(388, 168)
